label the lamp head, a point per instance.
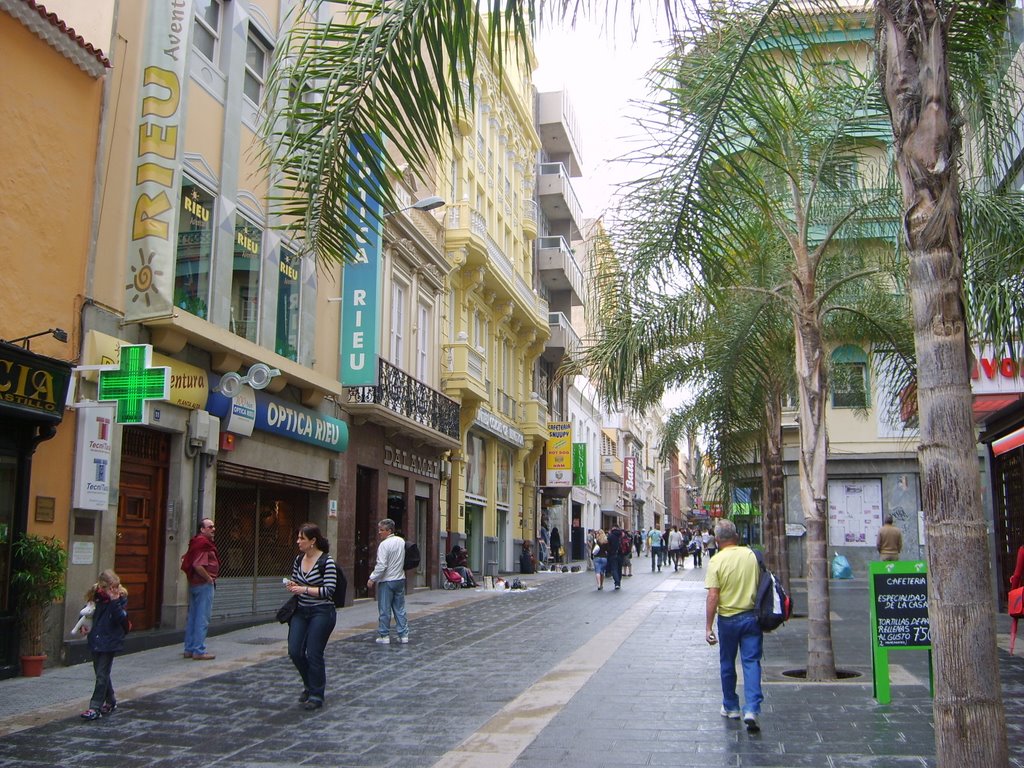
(428, 203)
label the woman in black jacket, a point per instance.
(106, 638)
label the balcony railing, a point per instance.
(553, 178)
(401, 393)
(556, 262)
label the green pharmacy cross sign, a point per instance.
(134, 381)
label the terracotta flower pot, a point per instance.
(32, 666)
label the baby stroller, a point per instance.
(452, 579)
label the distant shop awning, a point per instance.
(1005, 444)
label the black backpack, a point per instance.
(772, 603)
(412, 556)
(341, 583)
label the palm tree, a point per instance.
(781, 147)
(913, 62)
(404, 67)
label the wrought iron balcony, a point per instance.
(401, 394)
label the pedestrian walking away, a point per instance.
(710, 545)
(601, 557)
(615, 543)
(696, 549)
(106, 638)
(389, 577)
(201, 565)
(313, 580)
(675, 546)
(890, 540)
(731, 582)
(556, 545)
(654, 537)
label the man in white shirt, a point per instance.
(389, 577)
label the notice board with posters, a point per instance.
(899, 615)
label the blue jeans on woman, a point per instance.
(741, 633)
(308, 631)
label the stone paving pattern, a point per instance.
(655, 702)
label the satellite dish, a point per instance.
(260, 375)
(230, 384)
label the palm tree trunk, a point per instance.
(774, 487)
(970, 727)
(811, 381)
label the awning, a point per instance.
(1004, 444)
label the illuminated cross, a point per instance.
(133, 382)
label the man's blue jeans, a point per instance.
(391, 599)
(200, 608)
(308, 632)
(742, 634)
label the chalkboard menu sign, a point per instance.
(899, 616)
(899, 596)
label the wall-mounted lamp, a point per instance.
(58, 333)
(258, 377)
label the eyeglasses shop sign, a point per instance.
(286, 419)
(487, 420)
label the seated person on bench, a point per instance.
(458, 560)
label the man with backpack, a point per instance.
(732, 580)
(617, 540)
(389, 576)
(201, 565)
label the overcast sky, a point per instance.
(601, 73)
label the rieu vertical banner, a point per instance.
(361, 280)
(159, 140)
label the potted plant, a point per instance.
(40, 567)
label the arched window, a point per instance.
(850, 382)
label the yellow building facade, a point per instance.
(496, 324)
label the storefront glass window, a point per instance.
(476, 463)
(287, 341)
(504, 476)
(256, 527)
(195, 246)
(245, 279)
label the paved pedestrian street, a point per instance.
(558, 675)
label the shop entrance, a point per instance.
(8, 530)
(475, 537)
(142, 498)
(366, 529)
(256, 528)
(422, 510)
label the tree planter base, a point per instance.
(32, 666)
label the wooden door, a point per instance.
(138, 557)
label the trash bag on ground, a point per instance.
(841, 567)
